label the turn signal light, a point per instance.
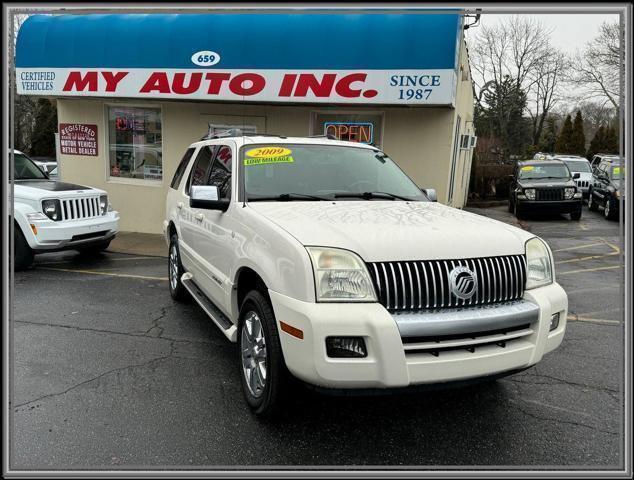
(554, 321)
(34, 228)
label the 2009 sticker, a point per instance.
(269, 152)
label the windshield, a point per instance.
(617, 172)
(324, 172)
(25, 169)
(580, 166)
(528, 172)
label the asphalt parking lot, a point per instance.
(110, 373)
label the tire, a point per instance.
(576, 216)
(609, 211)
(23, 255)
(510, 206)
(265, 394)
(175, 271)
(518, 213)
(95, 249)
(592, 203)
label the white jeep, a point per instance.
(51, 216)
(325, 262)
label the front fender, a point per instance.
(20, 210)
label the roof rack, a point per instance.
(237, 132)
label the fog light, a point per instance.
(554, 321)
(346, 347)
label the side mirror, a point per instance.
(576, 175)
(207, 197)
(431, 193)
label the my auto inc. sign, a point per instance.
(365, 59)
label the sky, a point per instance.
(570, 31)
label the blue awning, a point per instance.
(363, 58)
(249, 40)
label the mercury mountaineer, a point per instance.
(325, 262)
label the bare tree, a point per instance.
(600, 66)
(545, 91)
(519, 48)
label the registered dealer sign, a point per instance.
(78, 139)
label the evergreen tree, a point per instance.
(503, 116)
(578, 140)
(611, 143)
(45, 126)
(549, 137)
(597, 143)
(564, 141)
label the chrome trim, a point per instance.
(466, 320)
(411, 286)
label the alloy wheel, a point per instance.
(606, 209)
(253, 347)
(173, 267)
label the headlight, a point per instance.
(539, 269)
(569, 192)
(617, 193)
(52, 209)
(530, 193)
(340, 276)
(103, 204)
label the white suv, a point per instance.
(51, 216)
(325, 262)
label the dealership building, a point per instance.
(133, 91)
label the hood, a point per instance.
(394, 230)
(546, 183)
(50, 185)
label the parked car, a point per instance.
(599, 157)
(544, 186)
(50, 216)
(45, 164)
(53, 173)
(580, 165)
(606, 191)
(542, 156)
(325, 262)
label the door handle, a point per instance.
(179, 205)
(199, 216)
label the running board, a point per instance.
(219, 318)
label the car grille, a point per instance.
(77, 208)
(582, 183)
(468, 341)
(416, 285)
(549, 194)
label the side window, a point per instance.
(200, 169)
(220, 175)
(178, 176)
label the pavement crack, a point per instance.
(559, 420)
(101, 375)
(114, 332)
(564, 382)
(155, 324)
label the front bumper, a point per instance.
(67, 235)
(390, 362)
(550, 206)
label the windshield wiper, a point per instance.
(371, 195)
(287, 197)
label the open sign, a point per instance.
(360, 132)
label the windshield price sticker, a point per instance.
(269, 152)
(616, 170)
(267, 160)
(527, 168)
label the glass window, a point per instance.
(135, 142)
(198, 175)
(547, 170)
(362, 128)
(25, 169)
(580, 166)
(325, 171)
(220, 175)
(180, 171)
